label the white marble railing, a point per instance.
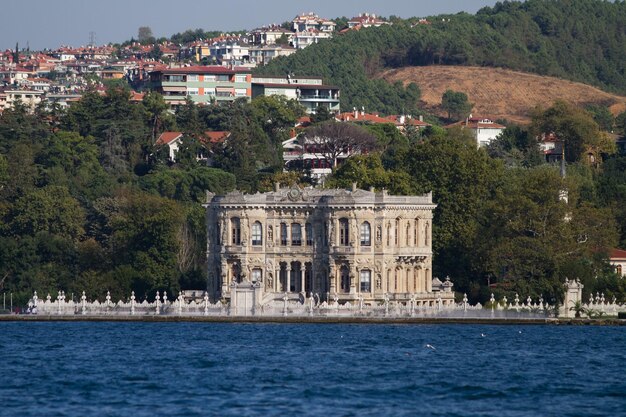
(308, 307)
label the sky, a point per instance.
(50, 24)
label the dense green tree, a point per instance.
(50, 209)
(574, 126)
(456, 104)
(367, 171)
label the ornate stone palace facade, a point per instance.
(328, 244)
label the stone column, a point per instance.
(429, 280)
(302, 269)
(288, 277)
(332, 279)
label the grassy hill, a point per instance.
(500, 93)
(579, 40)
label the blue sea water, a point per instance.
(208, 369)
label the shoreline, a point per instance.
(311, 320)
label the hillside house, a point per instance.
(483, 129)
(173, 140)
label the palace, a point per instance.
(341, 245)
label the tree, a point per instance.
(144, 35)
(333, 139)
(368, 171)
(51, 210)
(456, 104)
(4, 174)
(576, 127)
(321, 114)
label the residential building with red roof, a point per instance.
(617, 258)
(309, 28)
(483, 129)
(173, 140)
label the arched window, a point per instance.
(257, 234)
(389, 234)
(308, 229)
(416, 232)
(345, 279)
(235, 225)
(296, 234)
(397, 232)
(283, 234)
(366, 280)
(408, 233)
(366, 234)
(344, 232)
(427, 234)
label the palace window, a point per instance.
(345, 279)
(366, 280)
(308, 229)
(257, 234)
(235, 231)
(397, 232)
(416, 234)
(618, 269)
(296, 234)
(283, 234)
(427, 234)
(366, 234)
(408, 233)
(256, 275)
(344, 232)
(389, 234)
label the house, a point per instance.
(309, 28)
(30, 98)
(173, 140)
(268, 35)
(261, 55)
(399, 121)
(551, 146)
(203, 84)
(308, 156)
(483, 129)
(617, 258)
(366, 20)
(309, 92)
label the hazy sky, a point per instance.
(49, 24)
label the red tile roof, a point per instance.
(210, 136)
(617, 254)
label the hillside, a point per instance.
(500, 93)
(580, 40)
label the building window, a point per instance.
(417, 230)
(345, 279)
(283, 234)
(397, 233)
(366, 234)
(235, 231)
(618, 269)
(408, 233)
(366, 280)
(427, 234)
(389, 234)
(192, 78)
(296, 234)
(308, 229)
(344, 232)
(257, 234)
(256, 275)
(240, 78)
